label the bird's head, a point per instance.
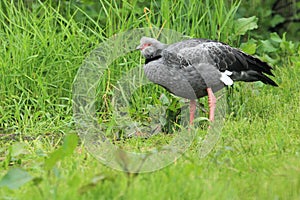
(150, 47)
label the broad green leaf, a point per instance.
(277, 19)
(69, 144)
(275, 37)
(162, 120)
(267, 46)
(249, 47)
(245, 24)
(53, 158)
(15, 178)
(287, 46)
(270, 60)
(164, 99)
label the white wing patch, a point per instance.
(228, 73)
(225, 78)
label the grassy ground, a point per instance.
(257, 156)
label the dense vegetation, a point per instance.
(45, 43)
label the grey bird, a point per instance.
(195, 68)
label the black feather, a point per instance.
(152, 59)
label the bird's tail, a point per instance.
(257, 71)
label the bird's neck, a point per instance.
(152, 59)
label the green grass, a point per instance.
(257, 156)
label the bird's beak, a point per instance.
(139, 47)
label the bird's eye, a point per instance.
(146, 45)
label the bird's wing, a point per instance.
(218, 54)
(231, 61)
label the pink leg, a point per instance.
(193, 105)
(212, 104)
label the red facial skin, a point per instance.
(144, 46)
